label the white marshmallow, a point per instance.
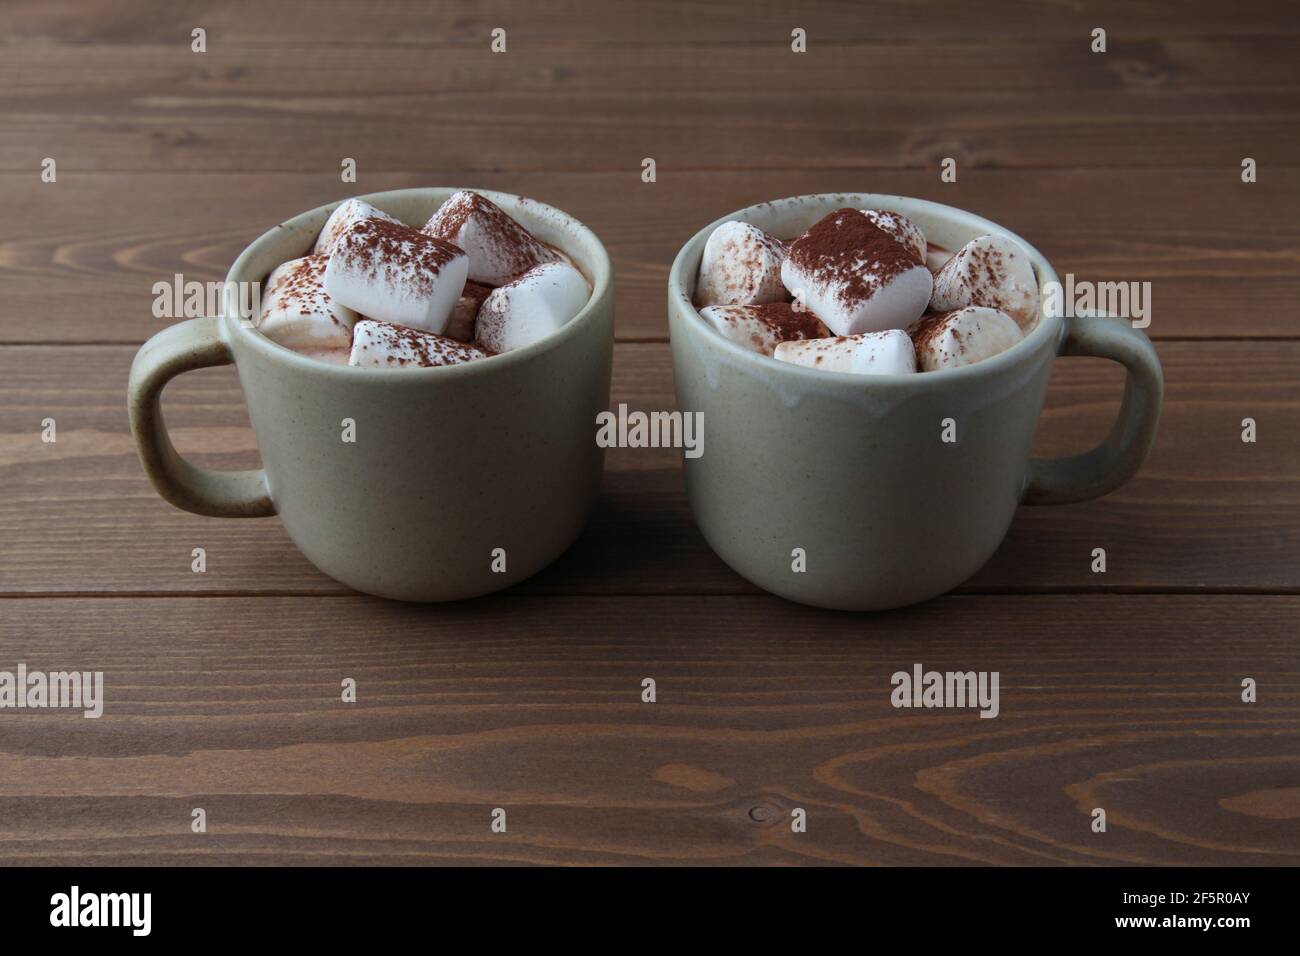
(855, 277)
(741, 265)
(903, 230)
(396, 274)
(871, 353)
(342, 219)
(460, 325)
(531, 307)
(381, 345)
(761, 328)
(298, 313)
(499, 249)
(964, 337)
(991, 271)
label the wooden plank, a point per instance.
(172, 73)
(1222, 256)
(627, 22)
(1207, 512)
(534, 705)
(1049, 104)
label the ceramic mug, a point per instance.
(854, 470)
(453, 473)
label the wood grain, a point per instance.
(631, 23)
(240, 109)
(1222, 257)
(533, 705)
(1207, 511)
(1119, 690)
(239, 74)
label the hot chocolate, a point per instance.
(376, 292)
(877, 298)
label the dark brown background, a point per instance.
(1119, 690)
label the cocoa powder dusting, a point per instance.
(759, 257)
(510, 243)
(788, 323)
(303, 286)
(900, 227)
(429, 350)
(981, 278)
(845, 250)
(930, 327)
(397, 252)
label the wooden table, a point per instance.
(1120, 690)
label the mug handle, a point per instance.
(197, 343)
(1056, 481)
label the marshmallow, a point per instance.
(856, 277)
(344, 216)
(460, 325)
(964, 337)
(499, 249)
(298, 313)
(531, 307)
(396, 274)
(936, 257)
(761, 328)
(381, 345)
(902, 229)
(991, 271)
(871, 353)
(741, 266)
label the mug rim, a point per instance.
(601, 282)
(1048, 326)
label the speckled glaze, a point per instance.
(448, 465)
(852, 469)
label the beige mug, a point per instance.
(459, 481)
(839, 490)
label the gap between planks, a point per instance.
(521, 592)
